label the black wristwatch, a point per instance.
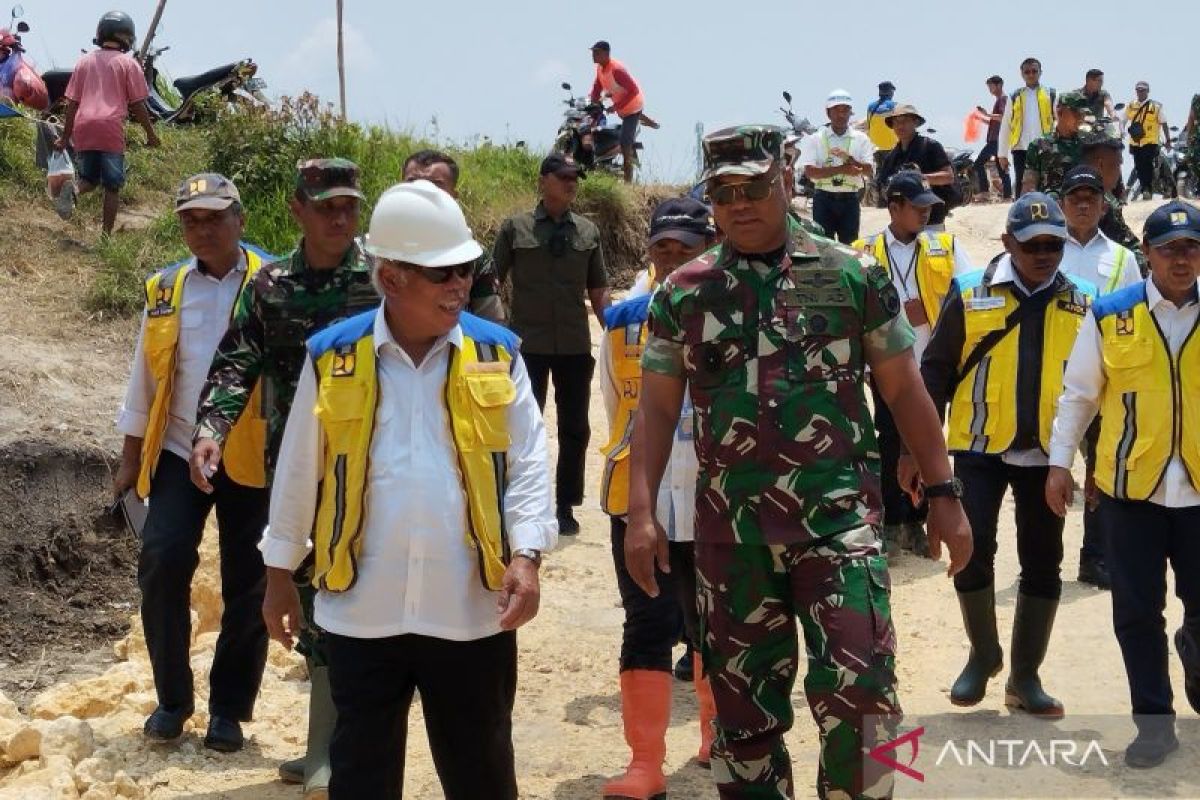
(951, 488)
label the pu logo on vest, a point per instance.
(1125, 324)
(343, 362)
(1039, 211)
(163, 307)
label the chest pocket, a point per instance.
(825, 351)
(1125, 362)
(490, 394)
(718, 362)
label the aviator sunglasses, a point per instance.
(754, 191)
(442, 274)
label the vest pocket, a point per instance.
(1125, 362)
(491, 394)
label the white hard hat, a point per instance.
(418, 223)
(838, 97)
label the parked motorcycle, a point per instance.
(19, 80)
(177, 102)
(801, 128)
(962, 163)
(590, 135)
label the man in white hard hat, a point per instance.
(836, 159)
(420, 587)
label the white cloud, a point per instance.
(319, 48)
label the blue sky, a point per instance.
(483, 67)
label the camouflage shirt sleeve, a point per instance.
(1033, 156)
(663, 353)
(886, 331)
(235, 368)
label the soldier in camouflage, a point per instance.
(325, 279)
(1050, 157)
(1103, 152)
(771, 334)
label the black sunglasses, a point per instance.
(442, 274)
(754, 191)
(1046, 246)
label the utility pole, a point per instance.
(149, 37)
(341, 61)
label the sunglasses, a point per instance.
(753, 191)
(1045, 247)
(442, 274)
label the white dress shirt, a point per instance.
(1031, 123)
(203, 319)
(1096, 261)
(1083, 384)
(417, 572)
(903, 268)
(815, 152)
(675, 506)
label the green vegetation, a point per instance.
(259, 149)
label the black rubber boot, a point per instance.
(986, 659)
(1032, 623)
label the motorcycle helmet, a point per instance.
(116, 26)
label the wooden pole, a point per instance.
(341, 61)
(149, 37)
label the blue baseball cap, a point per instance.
(683, 219)
(1174, 220)
(910, 185)
(1036, 214)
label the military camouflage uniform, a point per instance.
(1052, 156)
(1113, 222)
(1192, 149)
(787, 499)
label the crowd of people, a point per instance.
(365, 416)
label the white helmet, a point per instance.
(838, 97)
(418, 223)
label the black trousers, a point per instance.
(1092, 546)
(168, 560)
(572, 375)
(467, 694)
(653, 624)
(1143, 538)
(1039, 530)
(1018, 161)
(897, 507)
(1143, 162)
(838, 213)
(981, 177)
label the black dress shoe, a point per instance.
(1094, 571)
(1150, 749)
(224, 735)
(567, 526)
(1189, 653)
(166, 724)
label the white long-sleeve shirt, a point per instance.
(904, 278)
(1031, 123)
(417, 572)
(1096, 260)
(203, 319)
(1083, 384)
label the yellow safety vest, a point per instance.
(1150, 404)
(479, 391)
(1151, 123)
(627, 332)
(935, 266)
(983, 410)
(1017, 121)
(883, 137)
(245, 448)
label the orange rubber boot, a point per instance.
(645, 712)
(708, 711)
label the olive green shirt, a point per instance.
(552, 264)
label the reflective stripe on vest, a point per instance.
(1150, 403)
(983, 410)
(245, 447)
(1150, 122)
(625, 103)
(1017, 121)
(1118, 272)
(627, 336)
(478, 392)
(934, 269)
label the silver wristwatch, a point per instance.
(528, 552)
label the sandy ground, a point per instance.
(567, 719)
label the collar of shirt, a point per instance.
(353, 259)
(540, 212)
(385, 342)
(1155, 297)
(239, 267)
(890, 239)
(1005, 273)
(1097, 242)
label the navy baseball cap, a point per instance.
(911, 185)
(601, 45)
(560, 164)
(1081, 177)
(684, 219)
(1174, 220)
(1036, 214)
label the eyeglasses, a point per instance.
(442, 274)
(1044, 247)
(753, 191)
(1180, 248)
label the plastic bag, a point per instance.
(30, 89)
(59, 171)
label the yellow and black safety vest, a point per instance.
(478, 393)
(1045, 114)
(245, 448)
(983, 411)
(627, 331)
(934, 268)
(1150, 122)
(1150, 404)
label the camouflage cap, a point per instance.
(209, 191)
(1091, 136)
(1074, 101)
(742, 150)
(322, 178)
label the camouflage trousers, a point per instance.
(750, 597)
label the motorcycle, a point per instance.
(177, 103)
(19, 80)
(590, 135)
(801, 128)
(962, 163)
